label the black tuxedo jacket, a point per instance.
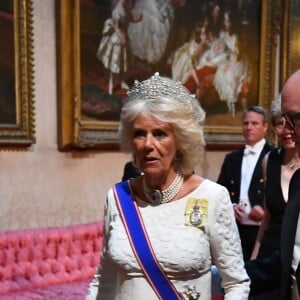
(130, 171)
(288, 232)
(276, 270)
(230, 176)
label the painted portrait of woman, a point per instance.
(212, 47)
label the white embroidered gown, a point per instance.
(233, 73)
(185, 252)
(111, 51)
(148, 38)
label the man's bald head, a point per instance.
(291, 94)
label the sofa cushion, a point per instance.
(66, 291)
(35, 258)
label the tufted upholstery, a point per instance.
(55, 263)
(38, 258)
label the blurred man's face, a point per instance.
(254, 129)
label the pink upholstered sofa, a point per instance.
(50, 263)
(54, 263)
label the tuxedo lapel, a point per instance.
(256, 188)
(238, 164)
(258, 167)
(289, 226)
(238, 171)
(290, 221)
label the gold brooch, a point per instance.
(196, 212)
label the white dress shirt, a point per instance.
(250, 158)
(295, 262)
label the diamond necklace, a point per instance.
(155, 196)
(293, 165)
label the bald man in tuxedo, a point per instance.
(282, 268)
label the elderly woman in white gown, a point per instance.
(166, 228)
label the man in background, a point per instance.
(130, 171)
(241, 173)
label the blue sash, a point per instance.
(140, 243)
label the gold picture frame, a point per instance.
(76, 131)
(290, 39)
(17, 111)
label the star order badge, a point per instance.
(196, 212)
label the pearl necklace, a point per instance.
(156, 197)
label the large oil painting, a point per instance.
(7, 65)
(16, 73)
(222, 51)
(290, 37)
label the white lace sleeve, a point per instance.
(104, 282)
(226, 246)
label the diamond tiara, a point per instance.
(163, 87)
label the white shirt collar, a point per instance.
(256, 148)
